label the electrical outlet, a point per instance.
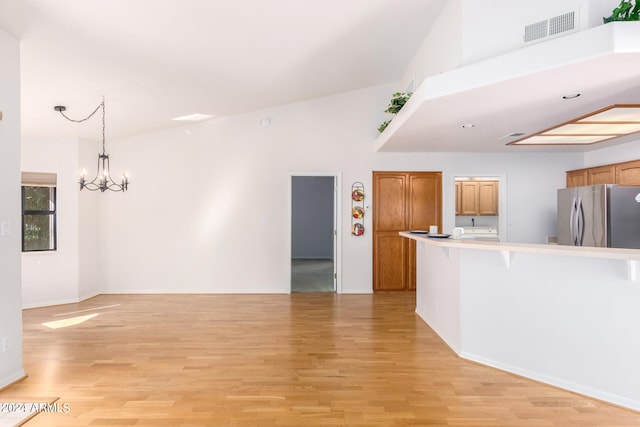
(6, 343)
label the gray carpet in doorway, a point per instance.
(312, 275)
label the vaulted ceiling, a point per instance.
(155, 60)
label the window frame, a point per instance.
(53, 213)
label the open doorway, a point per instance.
(313, 233)
(480, 206)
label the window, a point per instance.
(38, 212)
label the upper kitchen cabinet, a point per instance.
(626, 173)
(469, 198)
(488, 198)
(476, 198)
(601, 175)
(577, 178)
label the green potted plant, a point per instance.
(398, 100)
(627, 10)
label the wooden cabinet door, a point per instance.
(601, 175)
(628, 173)
(469, 198)
(488, 198)
(577, 178)
(401, 201)
(458, 196)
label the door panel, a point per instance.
(601, 175)
(577, 178)
(390, 205)
(628, 173)
(469, 198)
(390, 269)
(424, 201)
(487, 198)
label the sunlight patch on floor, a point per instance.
(72, 321)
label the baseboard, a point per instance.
(12, 379)
(59, 302)
(558, 382)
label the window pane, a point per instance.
(38, 233)
(38, 199)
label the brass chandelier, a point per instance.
(102, 181)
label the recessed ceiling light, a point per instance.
(193, 117)
(608, 123)
(468, 126)
(572, 96)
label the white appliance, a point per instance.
(487, 234)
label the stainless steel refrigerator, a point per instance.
(604, 215)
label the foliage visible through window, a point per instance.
(38, 218)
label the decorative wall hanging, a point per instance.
(357, 209)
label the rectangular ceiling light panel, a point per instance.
(611, 122)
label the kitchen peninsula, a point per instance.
(563, 315)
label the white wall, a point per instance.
(11, 368)
(615, 154)
(50, 278)
(441, 50)
(88, 226)
(207, 209)
(495, 27)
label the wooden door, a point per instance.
(389, 217)
(628, 173)
(401, 201)
(425, 195)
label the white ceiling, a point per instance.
(154, 60)
(522, 91)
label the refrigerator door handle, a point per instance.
(580, 222)
(572, 223)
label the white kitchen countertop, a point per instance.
(535, 248)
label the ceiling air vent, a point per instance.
(551, 27)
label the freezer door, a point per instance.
(592, 215)
(624, 217)
(567, 199)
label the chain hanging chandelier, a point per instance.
(102, 181)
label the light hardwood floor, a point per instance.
(274, 360)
